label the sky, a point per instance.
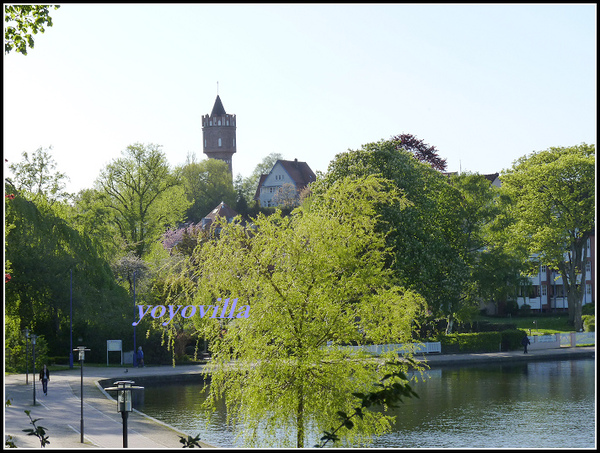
(484, 83)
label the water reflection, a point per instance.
(523, 405)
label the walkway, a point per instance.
(60, 411)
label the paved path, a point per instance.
(60, 411)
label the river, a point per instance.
(521, 405)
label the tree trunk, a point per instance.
(300, 418)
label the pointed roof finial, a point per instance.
(217, 87)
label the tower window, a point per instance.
(219, 123)
(234, 142)
(205, 143)
(219, 142)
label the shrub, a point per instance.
(588, 309)
(471, 342)
(511, 339)
(589, 323)
(525, 310)
(511, 308)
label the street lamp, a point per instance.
(124, 405)
(81, 350)
(33, 338)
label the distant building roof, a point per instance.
(222, 210)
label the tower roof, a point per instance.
(218, 108)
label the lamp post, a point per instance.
(33, 338)
(124, 405)
(81, 350)
(27, 357)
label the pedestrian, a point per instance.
(140, 357)
(45, 377)
(525, 341)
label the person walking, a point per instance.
(140, 357)
(45, 377)
(525, 341)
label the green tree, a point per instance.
(552, 200)
(206, 183)
(312, 282)
(24, 21)
(43, 249)
(143, 194)
(37, 175)
(427, 238)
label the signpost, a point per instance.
(114, 345)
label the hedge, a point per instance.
(506, 340)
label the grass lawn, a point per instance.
(539, 325)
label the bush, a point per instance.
(471, 342)
(588, 309)
(525, 310)
(511, 339)
(589, 323)
(511, 308)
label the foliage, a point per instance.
(511, 339)
(190, 442)
(550, 197)
(36, 175)
(43, 249)
(23, 21)
(421, 151)
(15, 354)
(144, 195)
(206, 183)
(471, 342)
(38, 431)
(437, 239)
(312, 281)
(388, 395)
(286, 196)
(589, 323)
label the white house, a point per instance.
(285, 176)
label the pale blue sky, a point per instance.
(486, 84)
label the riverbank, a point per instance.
(60, 411)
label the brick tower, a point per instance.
(218, 132)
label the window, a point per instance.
(219, 122)
(234, 142)
(588, 289)
(543, 268)
(205, 143)
(588, 267)
(544, 290)
(210, 123)
(219, 141)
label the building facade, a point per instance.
(546, 292)
(218, 134)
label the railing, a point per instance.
(416, 348)
(573, 339)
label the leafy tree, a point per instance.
(312, 282)
(286, 196)
(206, 183)
(427, 238)
(43, 249)
(23, 22)
(552, 200)
(143, 194)
(36, 175)
(420, 150)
